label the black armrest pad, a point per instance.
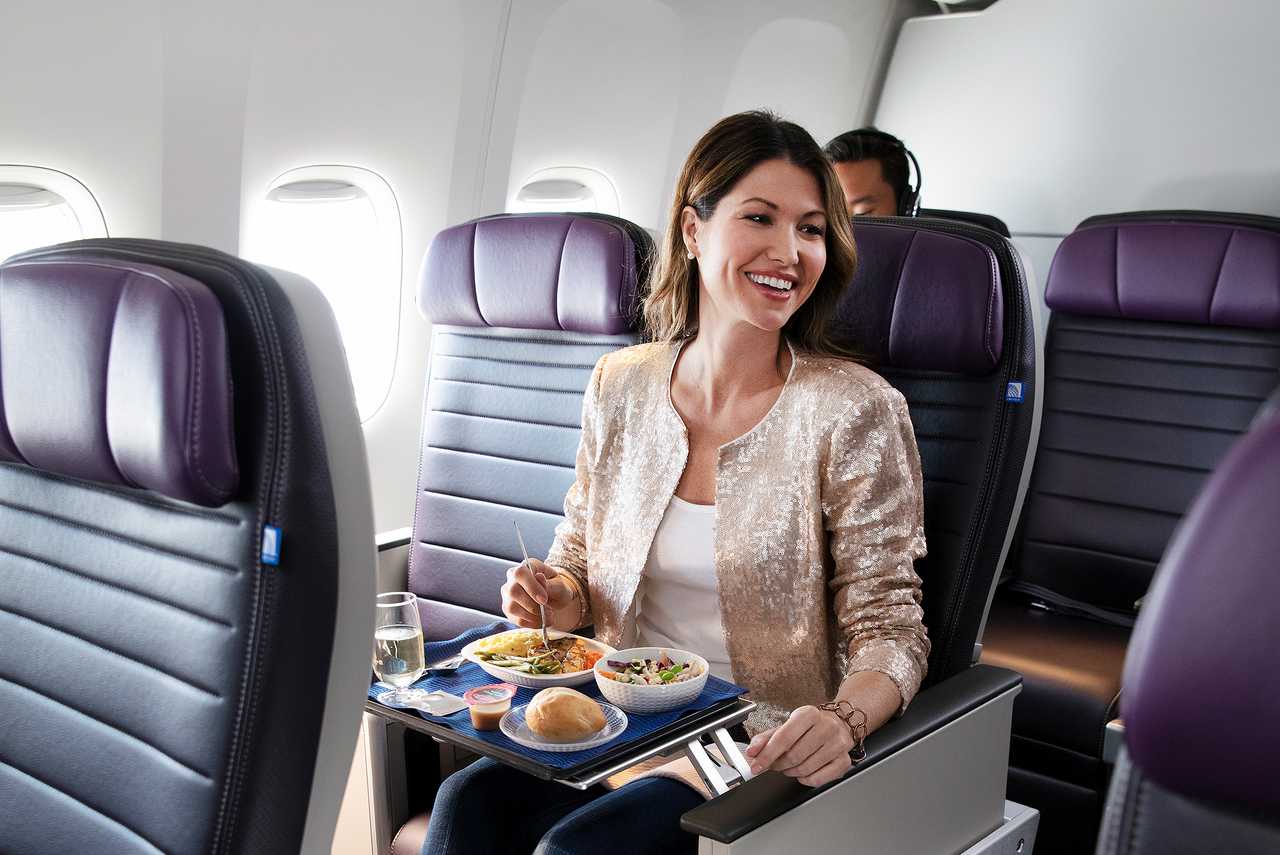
(749, 806)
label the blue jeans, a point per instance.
(491, 808)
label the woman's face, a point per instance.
(761, 252)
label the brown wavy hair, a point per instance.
(733, 147)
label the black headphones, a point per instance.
(909, 198)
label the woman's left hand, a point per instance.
(811, 746)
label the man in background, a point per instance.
(872, 167)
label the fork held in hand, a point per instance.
(542, 609)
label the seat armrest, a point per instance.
(393, 559)
(396, 538)
(766, 797)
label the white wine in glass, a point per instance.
(397, 646)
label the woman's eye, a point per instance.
(810, 229)
(762, 219)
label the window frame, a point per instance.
(384, 202)
(601, 186)
(83, 204)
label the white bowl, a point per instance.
(539, 681)
(638, 698)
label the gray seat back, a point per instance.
(170, 573)
(522, 306)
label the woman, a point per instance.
(742, 491)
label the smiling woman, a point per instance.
(749, 157)
(739, 403)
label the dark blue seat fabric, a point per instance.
(1200, 777)
(941, 311)
(1164, 340)
(161, 682)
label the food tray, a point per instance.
(717, 694)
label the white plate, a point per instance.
(538, 681)
(517, 730)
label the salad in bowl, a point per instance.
(651, 679)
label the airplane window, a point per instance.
(566, 188)
(340, 228)
(33, 213)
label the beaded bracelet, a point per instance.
(846, 711)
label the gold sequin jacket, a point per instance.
(819, 516)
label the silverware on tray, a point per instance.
(542, 609)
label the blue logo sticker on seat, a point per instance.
(270, 545)
(1013, 393)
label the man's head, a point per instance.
(872, 167)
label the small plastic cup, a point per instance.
(489, 704)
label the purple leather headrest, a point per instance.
(568, 272)
(1178, 270)
(1201, 696)
(118, 373)
(923, 299)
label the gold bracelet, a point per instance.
(579, 594)
(582, 606)
(847, 712)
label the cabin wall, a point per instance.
(627, 88)
(394, 90)
(1044, 112)
(177, 116)
(83, 93)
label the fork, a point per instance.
(542, 609)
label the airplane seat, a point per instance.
(522, 306)
(1164, 339)
(987, 221)
(1202, 692)
(187, 599)
(941, 310)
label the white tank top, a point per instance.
(679, 602)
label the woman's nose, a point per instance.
(785, 249)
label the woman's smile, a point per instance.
(773, 286)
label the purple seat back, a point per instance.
(1164, 339)
(522, 307)
(922, 299)
(1202, 690)
(1181, 271)
(557, 272)
(163, 671)
(116, 373)
(940, 309)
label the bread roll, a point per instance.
(561, 714)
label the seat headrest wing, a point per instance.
(924, 299)
(1201, 688)
(1212, 271)
(116, 372)
(537, 272)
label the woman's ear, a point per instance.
(689, 230)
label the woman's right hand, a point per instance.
(532, 583)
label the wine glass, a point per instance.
(397, 647)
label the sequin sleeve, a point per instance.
(568, 552)
(873, 506)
